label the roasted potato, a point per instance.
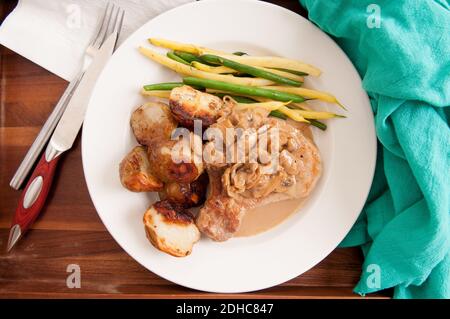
(186, 195)
(135, 172)
(151, 122)
(171, 165)
(170, 228)
(188, 104)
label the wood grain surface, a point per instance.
(69, 230)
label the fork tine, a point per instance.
(104, 28)
(115, 24)
(99, 28)
(112, 24)
(118, 25)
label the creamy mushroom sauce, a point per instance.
(266, 217)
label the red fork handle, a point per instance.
(34, 195)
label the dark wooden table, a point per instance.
(70, 232)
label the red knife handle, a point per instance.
(34, 195)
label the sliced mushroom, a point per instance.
(135, 173)
(170, 228)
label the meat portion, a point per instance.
(221, 216)
(135, 173)
(240, 186)
(188, 104)
(170, 228)
(152, 122)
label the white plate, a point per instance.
(348, 147)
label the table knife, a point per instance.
(35, 193)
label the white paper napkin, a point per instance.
(55, 33)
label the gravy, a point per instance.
(263, 218)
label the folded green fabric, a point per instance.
(404, 60)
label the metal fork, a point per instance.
(112, 19)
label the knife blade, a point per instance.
(35, 193)
(70, 123)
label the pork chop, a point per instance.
(235, 188)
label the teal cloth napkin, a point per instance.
(404, 61)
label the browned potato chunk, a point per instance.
(135, 172)
(171, 229)
(186, 195)
(183, 169)
(151, 122)
(188, 104)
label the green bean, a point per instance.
(162, 86)
(188, 57)
(174, 57)
(244, 90)
(278, 114)
(240, 53)
(313, 122)
(318, 124)
(243, 75)
(243, 68)
(291, 71)
(299, 73)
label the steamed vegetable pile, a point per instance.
(269, 82)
